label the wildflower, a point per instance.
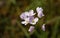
(31, 29)
(28, 17)
(31, 13)
(27, 14)
(26, 21)
(43, 27)
(34, 21)
(40, 12)
(24, 15)
(30, 20)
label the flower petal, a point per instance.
(31, 18)
(24, 15)
(34, 21)
(31, 28)
(31, 13)
(27, 13)
(43, 27)
(26, 21)
(39, 9)
(40, 12)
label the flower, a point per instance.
(24, 15)
(31, 13)
(28, 17)
(31, 29)
(30, 20)
(43, 27)
(27, 14)
(26, 21)
(40, 12)
(34, 21)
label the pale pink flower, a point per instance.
(31, 29)
(43, 27)
(40, 12)
(34, 21)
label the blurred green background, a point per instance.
(10, 22)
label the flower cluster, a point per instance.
(29, 17)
